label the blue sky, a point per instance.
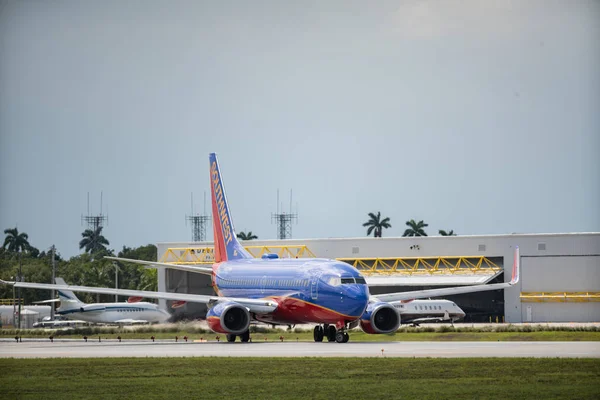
(480, 117)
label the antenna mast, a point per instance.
(198, 222)
(94, 221)
(283, 220)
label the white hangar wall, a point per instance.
(550, 263)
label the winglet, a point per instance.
(516, 267)
(227, 246)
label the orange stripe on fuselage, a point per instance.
(291, 309)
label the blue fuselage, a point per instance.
(315, 290)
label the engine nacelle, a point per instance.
(229, 317)
(92, 308)
(380, 318)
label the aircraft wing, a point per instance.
(260, 306)
(47, 301)
(155, 264)
(420, 294)
(424, 319)
(130, 321)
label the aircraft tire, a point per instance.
(346, 337)
(230, 338)
(318, 333)
(331, 331)
(339, 337)
(245, 337)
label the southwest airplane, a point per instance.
(329, 293)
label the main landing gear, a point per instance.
(332, 334)
(244, 337)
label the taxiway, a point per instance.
(132, 348)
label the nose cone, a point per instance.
(164, 316)
(357, 297)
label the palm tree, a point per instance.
(16, 242)
(93, 241)
(415, 228)
(376, 224)
(98, 273)
(246, 236)
(449, 233)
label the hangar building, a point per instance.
(560, 273)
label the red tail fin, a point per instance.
(227, 246)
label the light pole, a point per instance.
(116, 280)
(14, 305)
(53, 282)
(19, 279)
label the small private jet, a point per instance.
(417, 312)
(122, 313)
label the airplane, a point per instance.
(329, 293)
(106, 313)
(416, 312)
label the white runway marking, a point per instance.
(79, 349)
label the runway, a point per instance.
(132, 348)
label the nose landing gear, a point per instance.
(332, 334)
(342, 336)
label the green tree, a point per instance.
(93, 242)
(449, 233)
(246, 236)
(32, 270)
(75, 272)
(16, 242)
(134, 276)
(100, 273)
(146, 253)
(415, 228)
(376, 224)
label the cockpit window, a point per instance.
(347, 280)
(360, 280)
(334, 281)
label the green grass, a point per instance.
(355, 336)
(300, 378)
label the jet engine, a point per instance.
(91, 308)
(228, 317)
(380, 318)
